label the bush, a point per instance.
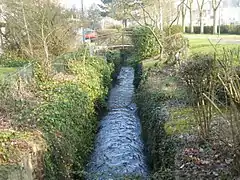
(11, 60)
(174, 29)
(67, 114)
(208, 29)
(200, 76)
(224, 29)
(145, 43)
(114, 57)
(68, 121)
(153, 115)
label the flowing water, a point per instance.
(119, 149)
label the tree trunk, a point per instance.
(178, 20)
(27, 30)
(201, 24)
(191, 23)
(161, 19)
(183, 23)
(214, 21)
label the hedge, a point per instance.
(145, 43)
(67, 113)
(224, 29)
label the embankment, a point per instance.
(61, 111)
(157, 95)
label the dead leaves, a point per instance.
(202, 163)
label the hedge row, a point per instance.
(224, 29)
(66, 112)
(160, 147)
(69, 115)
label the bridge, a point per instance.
(112, 47)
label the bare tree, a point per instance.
(200, 4)
(183, 13)
(40, 30)
(189, 5)
(215, 6)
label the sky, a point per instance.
(77, 3)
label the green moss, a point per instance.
(16, 143)
(6, 169)
(181, 121)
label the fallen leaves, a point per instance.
(202, 163)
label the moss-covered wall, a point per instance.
(21, 155)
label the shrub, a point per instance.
(153, 115)
(114, 57)
(174, 29)
(209, 77)
(196, 29)
(67, 113)
(68, 121)
(145, 43)
(224, 29)
(11, 60)
(208, 29)
(200, 76)
(173, 44)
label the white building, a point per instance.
(228, 12)
(108, 21)
(2, 29)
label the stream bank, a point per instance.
(119, 149)
(170, 129)
(158, 96)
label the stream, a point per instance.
(119, 150)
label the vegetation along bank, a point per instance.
(188, 107)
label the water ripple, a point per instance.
(119, 149)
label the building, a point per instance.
(227, 13)
(2, 27)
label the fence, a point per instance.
(24, 74)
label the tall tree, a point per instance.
(40, 30)
(94, 15)
(183, 13)
(200, 4)
(119, 9)
(189, 5)
(215, 6)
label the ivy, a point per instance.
(68, 116)
(145, 42)
(66, 112)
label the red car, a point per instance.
(90, 34)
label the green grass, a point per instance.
(203, 45)
(149, 63)
(181, 121)
(5, 70)
(205, 36)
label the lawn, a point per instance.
(208, 45)
(206, 36)
(6, 70)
